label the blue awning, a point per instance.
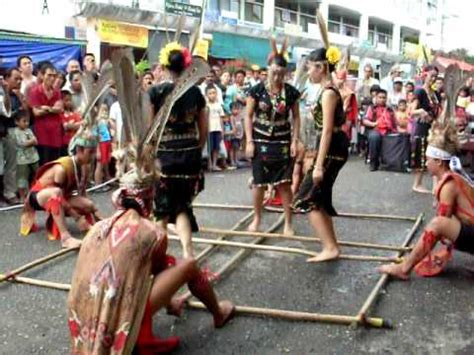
(58, 51)
(232, 46)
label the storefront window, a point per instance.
(254, 11)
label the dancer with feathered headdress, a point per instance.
(269, 141)
(184, 135)
(55, 182)
(329, 149)
(122, 265)
(454, 224)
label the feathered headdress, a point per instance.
(333, 54)
(282, 54)
(93, 91)
(344, 63)
(174, 45)
(141, 131)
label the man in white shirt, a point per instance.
(24, 63)
(387, 82)
(363, 87)
(397, 93)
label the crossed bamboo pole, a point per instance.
(13, 274)
(284, 249)
(255, 311)
(279, 209)
(362, 314)
(361, 318)
(300, 238)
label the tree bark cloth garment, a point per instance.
(310, 197)
(435, 261)
(272, 163)
(112, 282)
(430, 103)
(31, 203)
(179, 155)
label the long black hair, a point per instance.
(319, 55)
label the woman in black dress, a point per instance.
(179, 152)
(330, 152)
(427, 105)
(269, 139)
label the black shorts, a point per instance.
(465, 241)
(33, 200)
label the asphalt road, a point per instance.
(431, 316)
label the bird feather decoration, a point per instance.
(141, 136)
(93, 92)
(323, 29)
(194, 38)
(301, 74)
(452, 83)
(345, 62)
(188, 78)
(97, 89)
(179, 28)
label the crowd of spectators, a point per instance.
(41, 109)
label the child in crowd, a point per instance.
(402, 117)
(27, 157)
(71, 119)
(104, 151)
(216, 115)
(232, 143)
(361, 129)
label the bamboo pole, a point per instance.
(300, 316)
(284, 249)
(256, 311)
(236, 226)
(280, 209)
(40, 283)
(300, 238)
(30, 265)
(362, 315)
(240, 254)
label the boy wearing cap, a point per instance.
(397, 94)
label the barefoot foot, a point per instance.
(226, 313)
(176, 306)
(288, 230)
(254, 226)
(325, 255)
(395, 270)
(421, 190)
(70, 242)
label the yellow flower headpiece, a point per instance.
(166, 51)
(333, 55)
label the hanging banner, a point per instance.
(202, 48)
(124, 34)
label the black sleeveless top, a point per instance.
(272, 112)
(181, 128)
(339, 116)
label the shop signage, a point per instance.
(179, 8)
(123, 34)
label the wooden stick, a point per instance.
(283, 249)
(300, 316)
(41, 283)
(236, 226)
(240, 254)
(362, 315)
(44, 259)
(267, 312)
(280, 209)
(300, 238)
